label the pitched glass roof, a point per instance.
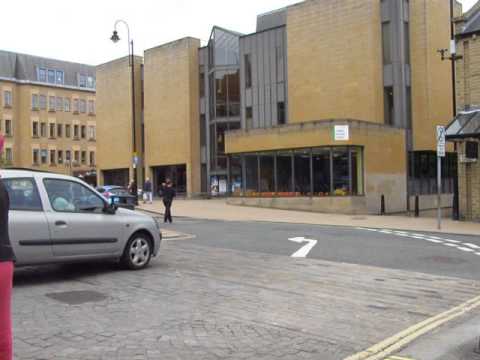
(465, 124)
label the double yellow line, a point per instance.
(396, 342)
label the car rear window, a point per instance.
(23, 194)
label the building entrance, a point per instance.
(117, 177)
(176, 173)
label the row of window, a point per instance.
(55, 76)
(53, 157)
(51, 76)
(323, 171)
(57, 130)
(56, 103)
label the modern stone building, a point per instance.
(328, 106)
(464, 130)
(48, 115)
(115, 126)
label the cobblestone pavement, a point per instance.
(198, 302)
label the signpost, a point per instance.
(440, 154)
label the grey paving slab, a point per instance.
(200, 302)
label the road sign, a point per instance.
(441, 141)
(341, 133)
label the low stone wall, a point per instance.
(330, 204)
(429, 202)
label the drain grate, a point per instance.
(77, 297)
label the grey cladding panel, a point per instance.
(272, 19)
(267, 52)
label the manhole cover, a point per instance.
(444, 260)
(358, 218)
(77, 297)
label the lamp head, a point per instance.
(115, 38)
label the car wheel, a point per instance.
(137, 252)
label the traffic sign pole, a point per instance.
(439, 189)
(440, 154)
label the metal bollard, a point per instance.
(382, 205)
(417, 206)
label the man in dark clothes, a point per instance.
(168, 193)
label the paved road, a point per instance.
(426, 253)
(234, 292)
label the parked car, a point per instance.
(119, 196)
(56, 218)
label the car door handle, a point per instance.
(60, 223)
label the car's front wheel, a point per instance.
(138, 252)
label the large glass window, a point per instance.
(341, 180)
(281, 119)
(356, 171)
(43, 102)
(267, 173)
(248, 70)
(388, 105)
(284, 173)
(221, 93)
(406, 36)
(302, 172)
(42, 75)
(235, 180)
(251, 174)
(321, 171)
(423, 172)
(386, 43)
(290, 173)
(51, 76)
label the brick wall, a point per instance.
(468, 187)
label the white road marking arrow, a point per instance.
(304, 250)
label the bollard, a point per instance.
(417, 206)
(382, 205)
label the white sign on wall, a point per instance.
(341, 133)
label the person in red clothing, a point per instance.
(6, 275)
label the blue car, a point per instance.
(119, 196)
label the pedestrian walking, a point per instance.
(168, 193)
(6, 276)
(147, 191)
(132, 188)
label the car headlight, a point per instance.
(157, 223)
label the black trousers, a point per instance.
(168, 214)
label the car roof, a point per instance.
(27, 173)
(110, 187)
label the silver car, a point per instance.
(56, 218)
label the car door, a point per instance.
(28, 226)
(79, 227)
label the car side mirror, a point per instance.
(110, 209)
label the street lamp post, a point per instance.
(452, 58)
(131, 62)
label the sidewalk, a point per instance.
(218, 210)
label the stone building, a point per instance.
(464, 130)
(328, 106)
(48, 114)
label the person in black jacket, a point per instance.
(6, 278)
(168, 193)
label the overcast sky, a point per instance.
(80, 31)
